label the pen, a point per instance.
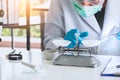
(116, 74)
(117, 66)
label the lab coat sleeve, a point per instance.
(54, 27)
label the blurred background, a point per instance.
(18, 10)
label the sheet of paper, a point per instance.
(111, 69)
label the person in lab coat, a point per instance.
(63, 16)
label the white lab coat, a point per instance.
(62, 17)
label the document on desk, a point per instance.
(112, 68)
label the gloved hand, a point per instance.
(118, 35)
(71, 37)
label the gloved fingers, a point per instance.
(72, 45)
(84, 34)
(80, 38)
(71, 34)
(80, 41)
(118, 36)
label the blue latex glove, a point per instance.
(71, 37)
(118, 36)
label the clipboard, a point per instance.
(111, 70)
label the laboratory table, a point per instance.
(55, 72)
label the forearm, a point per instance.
(52, 31)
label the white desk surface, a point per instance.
(55, 72)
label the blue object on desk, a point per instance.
(107, 74)
(118, 66)
(111, 75)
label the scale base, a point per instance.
(80, 61)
